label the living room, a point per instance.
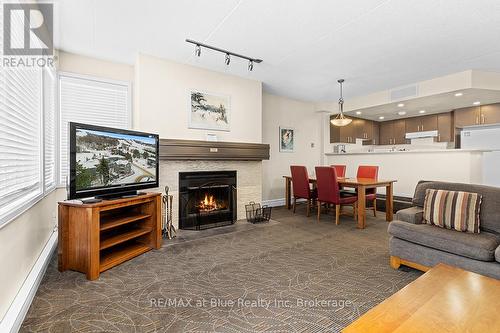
(250, 166)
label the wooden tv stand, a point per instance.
(96, 237)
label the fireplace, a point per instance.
(207, 199)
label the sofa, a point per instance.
(416, 244)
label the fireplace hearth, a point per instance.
(207, 199)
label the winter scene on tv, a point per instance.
(106, 159)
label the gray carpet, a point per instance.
(294, 275)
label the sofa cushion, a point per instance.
(476, 246)
(413, 215)
(490, 206)
(497, 254)
(454, 210)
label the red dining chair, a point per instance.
(329, 192)
(370, 172)
(340, 169)
(301, 187)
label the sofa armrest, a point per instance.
(413, 215)
(497, 254)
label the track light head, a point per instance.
(197, 50)
(250, 65)
(228, 59)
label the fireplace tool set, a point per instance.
(167, 229)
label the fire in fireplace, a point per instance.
(207, 199)
(210, 203)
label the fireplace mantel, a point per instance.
(172, 149)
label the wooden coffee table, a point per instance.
(444, 299)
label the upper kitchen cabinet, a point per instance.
(366, 130)
(421, 124)
(344, 134)
(478, 115)
(393, 132)
(399, 132)
(467, 116)
(489, 114)
(445, 127)
(386, 133)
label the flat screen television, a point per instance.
(109, 162)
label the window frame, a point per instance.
(49, 189)
(60, 183)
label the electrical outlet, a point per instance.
(312, 144)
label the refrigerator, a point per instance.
(485, 138)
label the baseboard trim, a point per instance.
(274, 202)
(17, 311)
(278, 202)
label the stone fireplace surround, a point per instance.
(248, 179)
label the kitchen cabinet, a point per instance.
(366, 130)
(489, 114)
(445, 127)
(348, 133)
(412, 124)
(467, 116)
(344, 134)
(386, 132)
(393, 132)
(399, 132)
(421, 124)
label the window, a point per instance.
(27, 133)
(92, 101)
(20, 140)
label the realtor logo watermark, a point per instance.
(28, 35)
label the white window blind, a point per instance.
(90, 101)
(50, 125)
(20, 134)
(20, 139)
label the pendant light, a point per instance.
(341, 120)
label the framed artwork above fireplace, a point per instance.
(209, 111)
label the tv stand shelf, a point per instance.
(96, 237)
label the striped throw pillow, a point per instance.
(452, 210)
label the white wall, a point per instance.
(280, 111)
(162, 100)
(22, 240)
(74, 63)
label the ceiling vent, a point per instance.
(404, 93)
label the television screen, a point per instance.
(111, 159)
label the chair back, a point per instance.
(340, 169)
(327, 185)
(300, 182)
(370, 172)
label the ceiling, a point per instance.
(306, 45)
(437, 103)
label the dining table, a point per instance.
(360, 185)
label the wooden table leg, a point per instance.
(389, 203)
(361, 207)
(288, 194)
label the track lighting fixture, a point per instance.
(228, 54)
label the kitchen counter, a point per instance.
(412, 151)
